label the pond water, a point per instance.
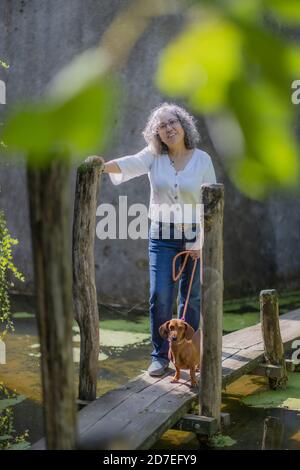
(125, 351)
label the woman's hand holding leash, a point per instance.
(195, 254)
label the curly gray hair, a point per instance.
(188, 123)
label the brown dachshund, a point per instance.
(184, 350)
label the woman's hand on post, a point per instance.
(94, 159)
(110, 167)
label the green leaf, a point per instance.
(4, 64)
(5, 437)
(5, 403)
(77, 126)
(224, 65)
(271, 153)
(201, 63)
(20, 446)
(222, 441)
(287, 11)
(75, 118)
(23, 315)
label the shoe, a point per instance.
(158, 367)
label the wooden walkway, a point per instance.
(143, 409)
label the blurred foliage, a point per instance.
(9, 440)
(233, 64)
(75, 117)
(7, 269)
(4, 64)
(288, 11)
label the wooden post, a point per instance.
(212, 302)
(49, 216)
(84, 286)
(274, 352)
(273, 433)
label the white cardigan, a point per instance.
(171, 190)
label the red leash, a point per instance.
(177, 276)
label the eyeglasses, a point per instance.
(171, 122)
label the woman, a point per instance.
(176, 170)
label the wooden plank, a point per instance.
(197, 424)
(251, 348)
(159, 399)
(107, 433)
(156, 424)
(269, 370)
(229, 352)
(168, 409)
(250, 336)
(240, 364)
(146, 407)
(151, 425)
(102, 405)
(113, 398)
(243, 338)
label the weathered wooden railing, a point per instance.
(275, 365)
(52, 274)
(84, 287)
(210, 417)
(49, 216)
(208, 421)
(212, 303)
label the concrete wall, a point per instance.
(38, 37)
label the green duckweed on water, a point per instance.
(244, 312)
(288, 398)
(140, 325)
(116, 338)
(236, 321)
(9, 438)
(221, 441)
(125, 352)
(23, 315)
(6, 402)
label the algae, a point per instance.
(288, 398)
(76, 355)
(219, 440)
(6, 402)
(140, 325)
(235, 321)
(22, 315)
(117, 339)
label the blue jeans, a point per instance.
(162, 288)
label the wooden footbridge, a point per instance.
(135, 415)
